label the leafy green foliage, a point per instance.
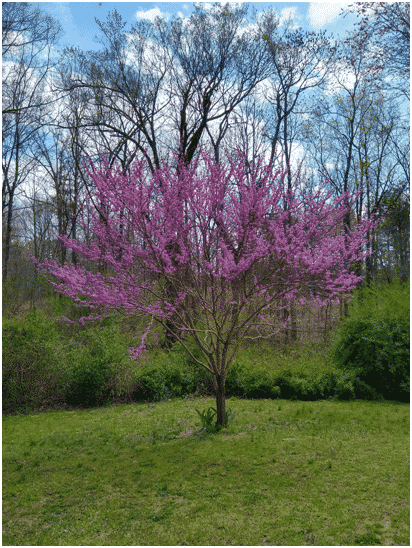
(314, 385)
(89, 361)
(27, 352)
(45, 366)
(373, 342)
(206, 419)
(249, 383)
(387, 301)
(168, 381)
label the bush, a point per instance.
(28, 350)
(182, 360)
(249, 384)
(90, 362)
(298, 385)
(169, 381)
(373, 342)
(377, 352)
(319, 385)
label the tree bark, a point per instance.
(6, 248)
(293, 323)
(221, 401)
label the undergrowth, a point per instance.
(49, 365)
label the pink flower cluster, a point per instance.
(197, 233)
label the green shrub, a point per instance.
(387, 301)
(315, 384)
(167, 381)
(334, 384)
(181, 359)
(90, 362)
(344, 384)
(378, 352)
(44, 365)
(28, 352)
(247, 383)
(284, 380)
(301, 385)
(373, 342)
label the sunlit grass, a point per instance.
(282, 473)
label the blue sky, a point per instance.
(78, 18)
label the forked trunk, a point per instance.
(221, 402)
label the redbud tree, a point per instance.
(215, 247)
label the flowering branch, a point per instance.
(211, 250)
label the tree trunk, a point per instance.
(169, 332)
(325, 331)
(286, 318)
(6, 245)
(220, 401)
(293, 323)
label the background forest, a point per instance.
(212, 81)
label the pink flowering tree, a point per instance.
(212, 247)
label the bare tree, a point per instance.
(354, 130)
(28, 36)
(393, 236)
(64, 195)
(299, 61)
(387, 26)
(26, 25)
(162, 85)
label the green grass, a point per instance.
(282, 473)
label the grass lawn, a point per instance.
(282, 473)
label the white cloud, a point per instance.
(151, 14)
(287, 13)
(321, 14)
(344, 76)
(233, 5)
(204, 5)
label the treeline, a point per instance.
(210, 81)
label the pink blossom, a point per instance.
(208, 250)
